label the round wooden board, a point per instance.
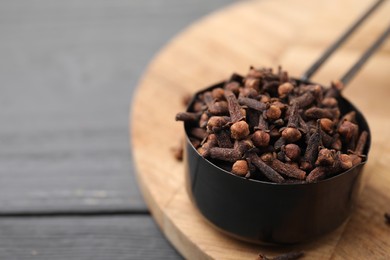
(291, 33)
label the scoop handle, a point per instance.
(346, 78)
(331, 49)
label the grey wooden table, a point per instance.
(67, 73)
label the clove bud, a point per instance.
(240, 168)
(291, 151)
(291, 133)
(273, 112)
(239, 130)
(285, 89)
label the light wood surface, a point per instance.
(262, 33)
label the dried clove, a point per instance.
(281, 156)
(327, 125)
(225, 154)
(266, 170)
(273, 113)
(207, 144)
(208, 99)
(317, 174)
(203, 151)
(265, 98)
(243, 146)
(255, 73)
(187, 116)
(326, 157)
(204, 118)
(195, 142)
(279, 104)
(357, 156)
(279, 143)
(283, 75)
(287, 256)
(252, 118)
(252, 103)
(311, 152)
(218, 94)
(350, 116)
(290, 256)
(219, 108)
(337, 144)
(252, 83)
(198, 106)
(350, 132)
(291, 133)
(233, 86)
(271, 87)
(198, 133)
(235, 78)
(215, 108)
(312, 88)
(283, 168)
(318, 113)
(223, 139)
(304, 128)
(335, 90)
(274, 133)
(304, 100)
(248, 93)
(329, 102)
(239, 130)
(293, 164)
(361, 143)
(216, 123)
(234, 107)
(261, 137)
(291, 151)
(285, 89)
(342, 162)
(279, 122)
(240, 168)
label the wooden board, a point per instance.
(82, 238)
(262, 33)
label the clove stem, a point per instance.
(234, 107)
(266, 170)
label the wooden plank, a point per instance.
(263, 33)
(67, 73)
(125, 237)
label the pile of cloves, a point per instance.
(270, 127)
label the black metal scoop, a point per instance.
(270, 213)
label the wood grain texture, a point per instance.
(67, 71)
(262, 33)
(100, 238)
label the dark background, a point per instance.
(67, 73)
